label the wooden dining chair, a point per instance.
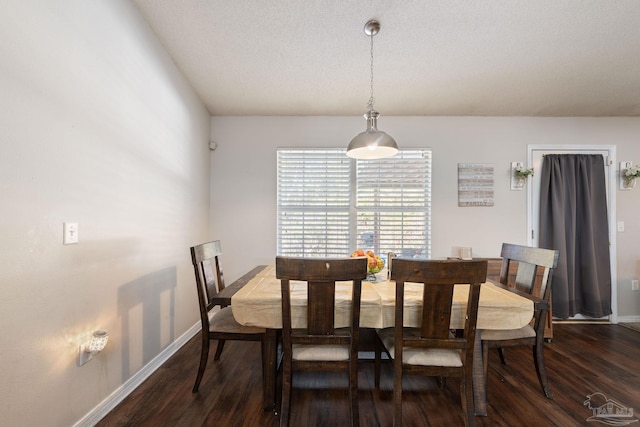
(320, 346)
(432, 349)
(217, 324)
(534, 271)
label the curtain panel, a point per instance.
(573, 220)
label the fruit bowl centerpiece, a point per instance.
(374, 263)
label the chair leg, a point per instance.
(397, 393)
(219, 350)
(538, 358)
(377, 363)
(353, 391)
(204, 356)
(466, 397)
(286, 391)
(503, 356)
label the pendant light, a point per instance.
(372, 143)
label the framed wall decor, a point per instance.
(475, 184)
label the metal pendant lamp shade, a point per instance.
(372, 143)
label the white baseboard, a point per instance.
(628, 319)
(619, 319)
(99, 412)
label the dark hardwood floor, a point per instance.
(581, 360)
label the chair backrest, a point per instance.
(321, 275)
(531, 264)
(439, 278)
(208, 271)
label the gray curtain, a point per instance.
(573, 220)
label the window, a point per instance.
(330, 204)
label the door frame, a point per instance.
(610, 164)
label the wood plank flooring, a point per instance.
(581, 360)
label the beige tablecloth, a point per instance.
(258, 303)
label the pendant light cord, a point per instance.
(371, 98)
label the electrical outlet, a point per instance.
(83, 355)
(620, 226)
(634, 285)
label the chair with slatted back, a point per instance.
(533, 277)
(432, 349)
(319, 345)
(216, 324)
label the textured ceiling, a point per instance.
(432, 58)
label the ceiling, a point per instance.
(431, 57)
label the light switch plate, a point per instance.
(70, 233)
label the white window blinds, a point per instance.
(330, 205)
(393, 204)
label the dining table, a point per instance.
(255, 300)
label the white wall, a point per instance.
(243, 170)
(97, 126)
